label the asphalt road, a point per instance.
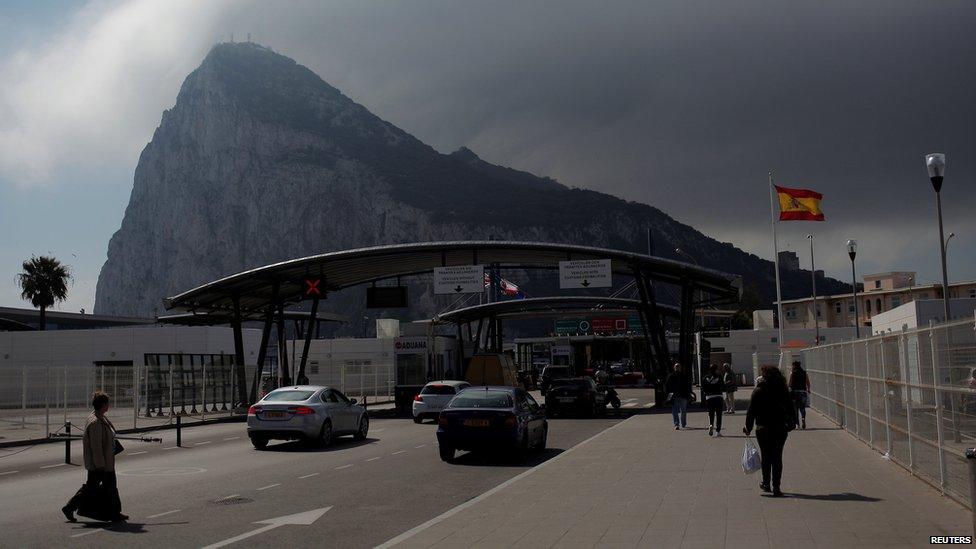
(217, 487)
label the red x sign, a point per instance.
(312, 287)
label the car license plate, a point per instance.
(566, 399)
(476, 423)
(274, 415)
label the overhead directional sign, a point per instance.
(585, 273)
(462, 279)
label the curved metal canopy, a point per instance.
(214, 318)
(547, 306)
(255, 288)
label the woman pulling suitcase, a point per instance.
(98, 498)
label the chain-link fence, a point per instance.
(36, 401)
(910, 395)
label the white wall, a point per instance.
(84, 347)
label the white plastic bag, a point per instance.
(751, 462)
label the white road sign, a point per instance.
(585, 273)
(462, 279)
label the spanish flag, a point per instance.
(799, 204)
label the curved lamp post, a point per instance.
(852, 252)
(935, 163)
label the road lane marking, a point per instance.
(485, 495)
(171, 448)
(421, 446)
(649, 405)
(157, 515)
(400, 452)
(9, 472)
(268, 486)
(52, 466)
(630, 405)
(228, 497)
(88, 532)
(374, 459)
(137, 453)
(377, 430)
(232, 438)
(301, 519)
(202, 443)
(309, 475)
(344, 466)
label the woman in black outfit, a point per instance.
(800, 389)
(771, 411)
(713, 393)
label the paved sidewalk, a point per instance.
(641, 484)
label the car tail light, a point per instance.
(301, 410)
(418, 398)
(442, 420)
(510, 420)
(254, 410)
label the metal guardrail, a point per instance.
(910, 395)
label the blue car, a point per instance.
(491, 418)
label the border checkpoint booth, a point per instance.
(265, 292)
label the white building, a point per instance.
(918, 314)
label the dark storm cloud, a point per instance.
(686, 105)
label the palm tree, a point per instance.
(44, 282)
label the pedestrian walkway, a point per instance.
(642, 484)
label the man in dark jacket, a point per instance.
(678, 387)
(771, 412)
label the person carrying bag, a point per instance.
(771, 411)
(98, 498)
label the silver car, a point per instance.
(305, 412)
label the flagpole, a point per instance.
(779, 294)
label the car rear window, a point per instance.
(288, 396)
(569, 382)
(482, 399)
(437, 390)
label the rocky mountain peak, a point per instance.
(260, 160)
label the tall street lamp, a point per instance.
(935, 163)
(852, 252)
(813, 280)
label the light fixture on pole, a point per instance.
(935, 163)
(813, 280)
(852, 252)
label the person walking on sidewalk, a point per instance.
(712, 393)
(678, 387)
(771, 412)
(100, 492)
(728, 378)
(800, 391)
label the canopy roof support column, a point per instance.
(239, 353)
(302, 379)
(654, 337)
(284, 375)
(459, 369)
(687, 328)
(263, 351)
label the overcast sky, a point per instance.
(683, 105)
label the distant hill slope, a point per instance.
(260, 161)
